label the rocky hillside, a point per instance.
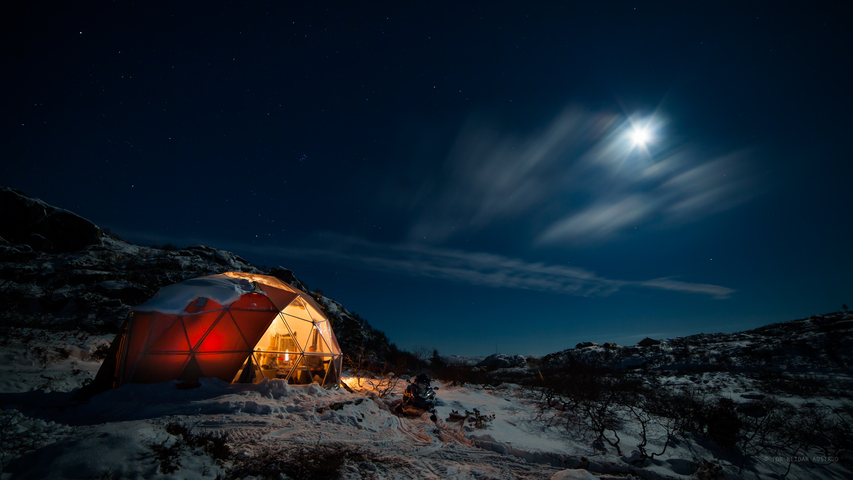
(61, 271)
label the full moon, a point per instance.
(640, 136)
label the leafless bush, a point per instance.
(379, 378)
(168, 456)
(811, 432)
(308, 462)
(475, 419)
(18, 436)
(588, 404)
(649, 421)
(100, 352)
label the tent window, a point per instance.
(201, 302)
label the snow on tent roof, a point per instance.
(173, 299)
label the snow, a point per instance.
(173, 299)
(118, 434)
(573, 474)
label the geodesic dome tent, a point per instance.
(239, 327)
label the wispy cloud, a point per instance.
(579, 180)
(491, 175)
(600, 220)
(476, 268)
(715, 291)
(459, 266)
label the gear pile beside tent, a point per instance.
(239, 327)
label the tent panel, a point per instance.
(172, 340)
(263, 281)
(198, 325)
(317, 344)
(254, 301)
(334, 344)
(326, 336)
(277, 365)
(221, 365)
(297, 309)
(301, 330)
(160, 324)
(313, 314)
(311, 369)
(278, 338)
(300, 374)
(202, 304)
(249, 372)
(280, 298)
(224, 337)
(337, 363)
(140, 327)
(254, 325)
(159, 368)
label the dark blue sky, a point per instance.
(463, 176)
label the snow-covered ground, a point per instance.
(153, 431)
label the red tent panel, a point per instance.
(221, 365)
(172, 340)
(224, 337)
(254, 301)
(208, 305)
(159, 368)
(253, 324)
(198, 325)
(138, 334)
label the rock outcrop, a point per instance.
(44, 228)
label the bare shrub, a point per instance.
(722, 423)
(649, 421)
(215, 445)
(381, 378)
(17, 436)
(588, 402)
(811, 431)
(168, 456)
(308, 462)
(475, 419)
(100, 352)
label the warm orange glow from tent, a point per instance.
(274, 331)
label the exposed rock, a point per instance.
(586, 345)
(501, 360)
(30, 221)
(822, 343)
(128, 293)
(648, 342)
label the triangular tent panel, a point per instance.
(197, 325)
(172, 340)
(238, 327)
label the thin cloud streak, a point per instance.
(425, 261)
(491, 175)
(478, 268)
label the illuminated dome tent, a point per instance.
(239, 327)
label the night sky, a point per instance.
(467, 176)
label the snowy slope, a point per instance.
(125, 433)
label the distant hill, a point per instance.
(820, 343)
